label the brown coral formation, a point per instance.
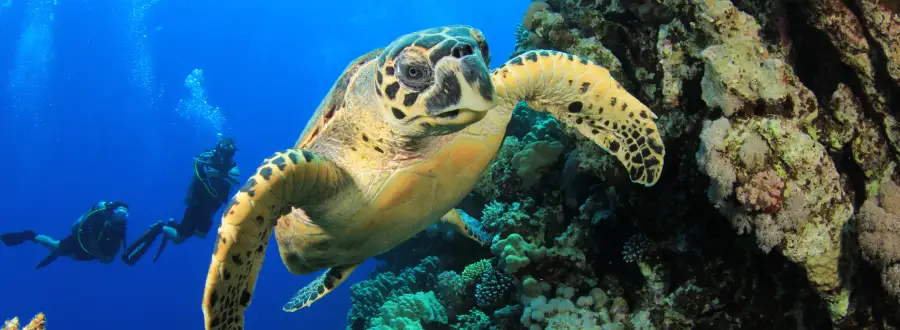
(799, 100)
(848, 34)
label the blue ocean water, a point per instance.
(95, 107)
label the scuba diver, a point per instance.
(215, 173)
(96, 235)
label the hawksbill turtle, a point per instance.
(399, 140)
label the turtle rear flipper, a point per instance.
(585, 96)
(292, 178)
(467, 226)
(318, 288)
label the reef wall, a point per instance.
(779, 204)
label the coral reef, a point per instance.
(779, 206)
(879, 235)
(37, 323)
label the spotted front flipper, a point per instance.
(466, 225)
(584, 95)
(318, 288)
(292, 178)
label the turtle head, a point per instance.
(436, 81)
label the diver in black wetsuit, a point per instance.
(96, 235)
(215, 173)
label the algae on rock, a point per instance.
(808, 229)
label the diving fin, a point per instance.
(162, 245)
(50, 258)
(13, 239)
(139, 247)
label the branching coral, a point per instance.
(474, 320)
(636, 248)
(493, 288)
(474, 271)
(37, 323)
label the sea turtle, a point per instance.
(403, 135)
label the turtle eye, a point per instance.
(413, 72)
(415, 76)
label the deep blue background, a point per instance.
(267, 64)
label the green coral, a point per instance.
(500, 171)
(498, 215)
(410, 311)
(841, 122)
(520, 162)
(513, 252)
(475, 270)
(533, 158)
(451, 289)
(369, 295)
(474, 320)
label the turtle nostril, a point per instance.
(461, 50)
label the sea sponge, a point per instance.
(879, 227)
(534, 157)
(890, 280)
(762, 193)
(451, 289)
(714, 162)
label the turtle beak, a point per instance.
(462, 82)
(462, 94)
(481, 95)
